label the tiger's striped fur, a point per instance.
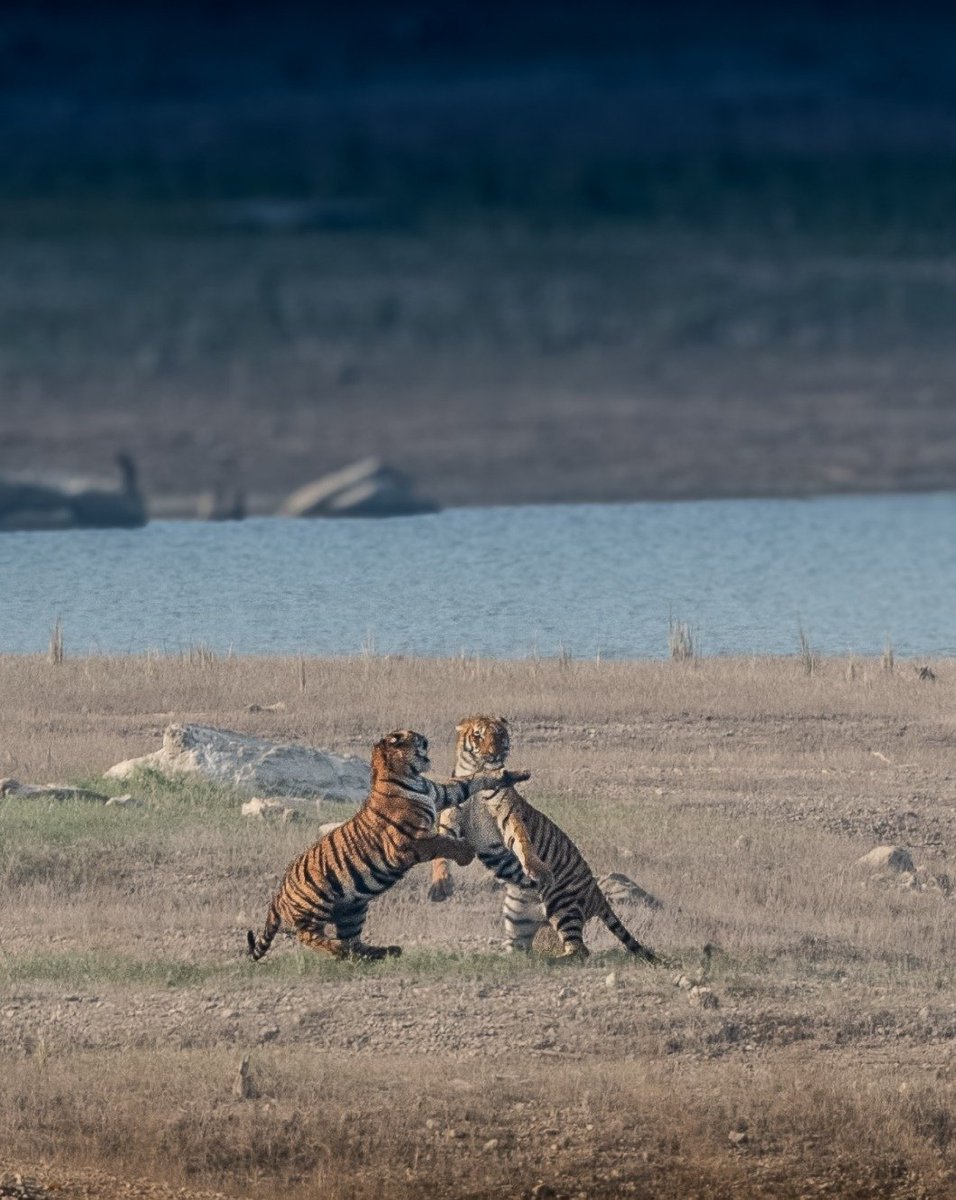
(544, 873)
(335, 880)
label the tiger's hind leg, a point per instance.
(325, 945)
(523, 916)
(348, 928)
(569, 924)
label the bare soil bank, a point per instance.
(741, 793)
(495, 364)
(566, 254)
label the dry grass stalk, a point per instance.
(55, 652)
(888, 661)
(680, 641)
(808, 656)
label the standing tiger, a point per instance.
(544, 873)
(335, 880)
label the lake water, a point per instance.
(503, 582)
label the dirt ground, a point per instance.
(740, 794)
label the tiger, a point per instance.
(544, 873)
(335, 880)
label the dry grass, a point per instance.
(739, 792)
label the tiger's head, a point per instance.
(483, 742)
(403, 752)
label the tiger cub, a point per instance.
(545, 875)
(335, 880)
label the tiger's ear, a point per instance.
(503, 721)
(393, 739)
(463, 725)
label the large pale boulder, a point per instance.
(887, 858)
(254, 764)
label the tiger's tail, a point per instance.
(616, 926)
(257, 946)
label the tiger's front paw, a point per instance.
(462, 855)
(441, 889)
(509, 777)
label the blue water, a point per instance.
(503, 582)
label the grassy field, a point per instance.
(739, 792)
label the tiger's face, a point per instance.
(405, 751)
(484, 740)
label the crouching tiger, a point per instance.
(544, 873)
(335, 880)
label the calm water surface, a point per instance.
(502, 582)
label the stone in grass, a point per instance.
(702, 997)
(126, 801)
(243, 1087)
(887, 858)
(300, 774)
(266, 809)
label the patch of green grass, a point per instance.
(81, 968)
(427, 963)
(170, 792)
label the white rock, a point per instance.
(887, 858)
(254, 765)
(126, 801)
(266, 809)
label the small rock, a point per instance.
(454, 1134)
(491, 1144)
(126, 801)
(702, 997)
(611, 980)
(265, 809)
(243, 1088)
(268, 1033)
(738, 1137)
(887, 858)
(431, 1123)
(683, 982)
